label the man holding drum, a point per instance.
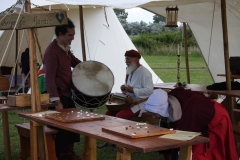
(58, 61)
(139, 85)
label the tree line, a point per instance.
(151, 37)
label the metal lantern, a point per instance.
(171, 16)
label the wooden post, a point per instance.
(82, 33)
(38, 43)
(16, 64)
(37, 151)
(186, 51)
(6, 138)
(226, 56)
(185, 153)
(90, 149)
(123, 153)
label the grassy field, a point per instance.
(164, 67)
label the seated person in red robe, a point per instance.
(202, 114)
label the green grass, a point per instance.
(160, 61)
(160, 65)
(166, 68)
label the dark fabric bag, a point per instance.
(234, 65)
(223, 86)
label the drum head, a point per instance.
(93, 78)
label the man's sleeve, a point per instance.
(51, 62)
(74, 60)
(147, 86)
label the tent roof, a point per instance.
(202, 16)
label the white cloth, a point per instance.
(141, 81)
(158, 103)
(174, 109)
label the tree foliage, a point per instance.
(158, 19)
(121, 14)
(152, 42)
(152, 36)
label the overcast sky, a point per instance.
(138, 14)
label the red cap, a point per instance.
(132, 53)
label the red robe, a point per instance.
(222, 145)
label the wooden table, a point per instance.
(3, 100)
(92, 130)
(199, 88)
(232, 76)
(4, 108)
(170, 85)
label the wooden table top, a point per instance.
(93, 129)
(6, 107)
(233, 76)
(199, 88)
(193, 87)
(3, 98)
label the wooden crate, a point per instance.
(4, 83)
(25, 100)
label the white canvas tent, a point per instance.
(202, 16)
(204, 19)
(105, 39)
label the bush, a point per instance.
(164, 43)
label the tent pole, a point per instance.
(16, 64)
(36, 130)
(186, 51)
(38, 43)
(226, 56)
(82, 33)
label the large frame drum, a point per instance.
(93, 81)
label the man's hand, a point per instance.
(127, 88)
(59, 105)
(123, 88)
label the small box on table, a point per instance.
(4, 83)
(23, 100)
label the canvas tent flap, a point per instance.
(110, 3)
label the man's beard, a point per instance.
(132, 67)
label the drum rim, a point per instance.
(102, 64)
(106, 98)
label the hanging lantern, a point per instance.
(171, 16)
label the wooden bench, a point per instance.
(236, 126)
(236, 132)
(24, 133)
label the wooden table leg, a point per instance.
(90, 148)
(38, 141)
(6, 135)
(185, 153)
(123, 153)
(33, 141)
